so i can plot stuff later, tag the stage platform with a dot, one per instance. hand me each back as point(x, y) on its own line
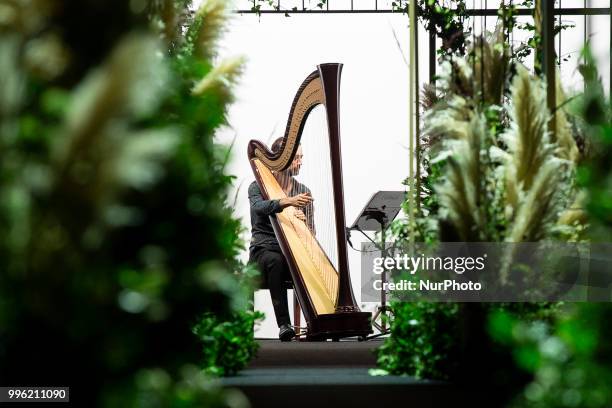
point(333, 374)
point(273, 353)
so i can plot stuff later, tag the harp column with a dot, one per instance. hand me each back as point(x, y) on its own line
point(330, 78)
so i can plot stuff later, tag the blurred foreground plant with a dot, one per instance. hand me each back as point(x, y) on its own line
point(571, 358)
point(115, 232)
point(595, 174)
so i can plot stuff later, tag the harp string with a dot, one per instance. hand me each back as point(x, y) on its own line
point(314, 176)
point(294, 233)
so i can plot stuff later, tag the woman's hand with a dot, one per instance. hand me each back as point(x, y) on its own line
point(300, 200)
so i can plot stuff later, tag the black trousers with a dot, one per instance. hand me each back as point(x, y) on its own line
point(275, 272)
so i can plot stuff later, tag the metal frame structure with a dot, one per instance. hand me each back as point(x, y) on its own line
point(472, 12)
point(549, 13)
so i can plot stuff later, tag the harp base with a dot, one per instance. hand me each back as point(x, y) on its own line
point(338, 325)
point(349, 309)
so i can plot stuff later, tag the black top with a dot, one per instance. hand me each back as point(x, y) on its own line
point(262, 234)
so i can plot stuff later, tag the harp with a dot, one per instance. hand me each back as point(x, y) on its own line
point(321, 279)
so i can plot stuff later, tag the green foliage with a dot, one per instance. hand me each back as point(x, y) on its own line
point(490, 170)
point(227, 343)
point(569, 358)
point(563, 348)
point(569, 353)
point(115, 231)
point(423, 341)
point(189, 388)
point(446, 19)
point(595, 173)
point(533, 43)
point(256, 5)
point(426, 337)
point(491, 173)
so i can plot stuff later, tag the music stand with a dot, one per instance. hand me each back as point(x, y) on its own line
point(381, 209)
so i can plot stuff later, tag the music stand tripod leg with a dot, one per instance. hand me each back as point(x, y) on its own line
point(383, 308)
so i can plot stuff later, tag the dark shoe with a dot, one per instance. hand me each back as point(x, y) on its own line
point(286, 333)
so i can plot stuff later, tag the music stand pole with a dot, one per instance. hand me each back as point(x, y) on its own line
point(383, 292)
point(383, 309)
point(376, 216)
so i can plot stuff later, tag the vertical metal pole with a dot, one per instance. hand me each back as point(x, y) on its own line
point(585, 40)
point(585, 22)
point(432, 56)
point(383, 292)
point(548, 58)
point(417, 117)
point(506, 31)
point(560, 31)
point(473, 54)
point(411, 120)
point(483, 31)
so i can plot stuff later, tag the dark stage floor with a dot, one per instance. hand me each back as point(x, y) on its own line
point(333, 374)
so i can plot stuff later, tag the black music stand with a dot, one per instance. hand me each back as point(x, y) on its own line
point(376, 216)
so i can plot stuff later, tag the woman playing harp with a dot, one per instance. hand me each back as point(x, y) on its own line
point(318, 265)
point(265, 250)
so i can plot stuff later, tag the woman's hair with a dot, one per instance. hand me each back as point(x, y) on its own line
point(277, 145)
